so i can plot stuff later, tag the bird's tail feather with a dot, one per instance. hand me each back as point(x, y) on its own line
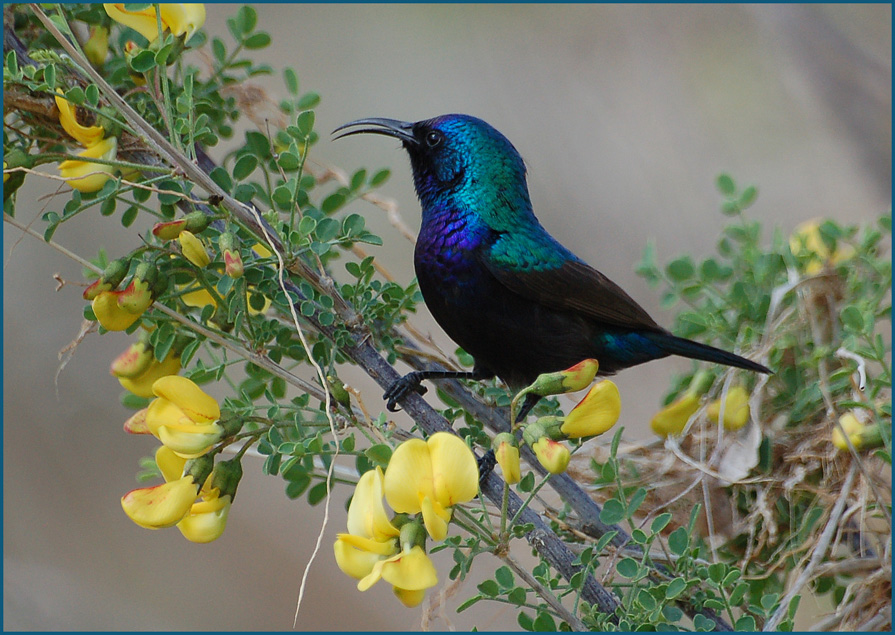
point(674, 345)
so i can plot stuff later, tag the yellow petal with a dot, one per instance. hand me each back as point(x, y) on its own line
point(206, 520)
point(199, 298)
point(409, 476)
point(142, 385)
point(161, 412)
point(736, 409)
point(454, 469)
point(111, 316)
point(379, 547)
point(191, 443)
point(178, 18)
point(352, 561)
point(160, 506)
point(169, 464)
point(410, 599)
point(411, 570)
point(371, 578)
point(596, 413)
point(196, 403)
point(193, 249)
point(366, 514)
point(85, 176)
point(435, 518)
point(85, 135)
point(672, 419)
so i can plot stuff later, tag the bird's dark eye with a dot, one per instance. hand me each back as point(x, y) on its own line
point(434, 138)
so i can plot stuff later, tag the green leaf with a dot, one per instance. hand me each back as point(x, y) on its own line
point(746, 624)
point(679, 541)
point(50, 75)
point(504, 577)
point(750, 193)
point(129, 216)
point(258, 40)
point(288, 161)
point(143, 61)
point(613, 512)
point(660, 522)
point(219, 50)
point(681, 269)
point(527, 484)
point(380, 177)
point(297, 485)
point(75, 95)
point(244, 166)
point(317, 493)
point(220, 176)
point(379, 454)
point(726, 184)
point(468, 603)
point(544, 622)
point(675, 588)
point(852, 318)
point(517, 596)
point(291, 80)
point(246, 19)
point(489, 588)
point(305, 122)
point(628, 567)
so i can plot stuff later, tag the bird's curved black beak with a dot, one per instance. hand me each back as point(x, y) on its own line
point(402, 130)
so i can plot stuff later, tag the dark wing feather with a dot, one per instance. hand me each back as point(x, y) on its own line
point(576, 287)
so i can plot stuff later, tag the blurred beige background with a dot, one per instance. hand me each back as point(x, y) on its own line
point(624, 114)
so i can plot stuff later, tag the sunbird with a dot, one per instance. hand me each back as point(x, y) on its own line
point(500, 286)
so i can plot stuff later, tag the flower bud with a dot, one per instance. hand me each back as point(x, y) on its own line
point(571, 379)
point(199, 468)
point(110, 279)
point(136, 424)
point(506, 451)
point(736, 409)
point(552, 455)
point(193, 249)
point(233, 266)
point(138, 296)
point(194, 222)
point(133, 362)
point(111, 316)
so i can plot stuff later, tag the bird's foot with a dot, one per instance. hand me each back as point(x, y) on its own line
point(401, 388)
point(486, 464)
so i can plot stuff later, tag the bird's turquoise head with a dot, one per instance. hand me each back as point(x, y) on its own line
point(454, 156)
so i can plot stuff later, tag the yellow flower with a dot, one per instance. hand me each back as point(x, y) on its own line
point(90, 177)
point(109, 314)
point(87, 136)
point(184, 417)
point(162, 505)
point(553, 455)
point(596, 413)
point(409, 570)
point(142, 384)
point(366, 514)
point(180, 19)
point(206, 520)
point(672, 419)
point(736, 409)
point(806, 241)
point(193, 249)
point(201, 298)
point(507, 454)
point(430, 477)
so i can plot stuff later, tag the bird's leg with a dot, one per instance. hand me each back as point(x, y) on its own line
point(411, 381)
point(531, 400)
